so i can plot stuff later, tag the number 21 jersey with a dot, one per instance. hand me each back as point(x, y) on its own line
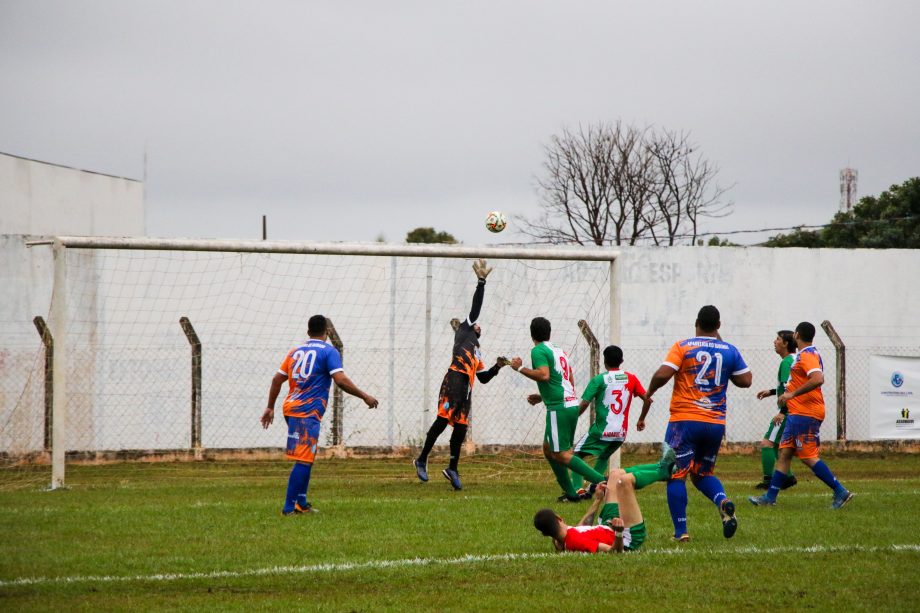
point(704, 366)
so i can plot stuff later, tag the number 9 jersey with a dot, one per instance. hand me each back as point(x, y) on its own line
point(704, 367)
point(309, 369)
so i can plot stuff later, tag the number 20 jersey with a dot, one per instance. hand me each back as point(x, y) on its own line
point(704, 366)
point(309, 369)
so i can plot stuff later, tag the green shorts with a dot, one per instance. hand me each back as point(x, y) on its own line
point(633, 537)
point(560, 427)
point(591, 444)
point(775, 433)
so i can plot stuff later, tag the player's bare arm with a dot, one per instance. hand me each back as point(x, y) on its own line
point(618, 526)
point(347, 386)
point(534, 399)
point(815, 380)
point(766, 393)
point(269, 415)
point(742, 380)
point(534, 374)
point(646, 405)
point(600, 496)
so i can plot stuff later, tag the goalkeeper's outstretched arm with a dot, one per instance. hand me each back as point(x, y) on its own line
point(482, 271)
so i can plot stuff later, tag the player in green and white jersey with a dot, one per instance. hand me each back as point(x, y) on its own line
point(785, 347)
point(553, 374)
point(612, 393)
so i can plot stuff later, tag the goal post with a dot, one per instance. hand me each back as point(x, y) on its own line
point(116, 303)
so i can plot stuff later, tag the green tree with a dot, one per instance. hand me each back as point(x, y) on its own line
point(429, 235)
point(888, 221)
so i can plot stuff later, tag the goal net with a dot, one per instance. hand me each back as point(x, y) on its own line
point(135, 384)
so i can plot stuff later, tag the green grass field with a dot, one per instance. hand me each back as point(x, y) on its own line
point(208, 536)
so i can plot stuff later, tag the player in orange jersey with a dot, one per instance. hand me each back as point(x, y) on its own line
point(801, 437)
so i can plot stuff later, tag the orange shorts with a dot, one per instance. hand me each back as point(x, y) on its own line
point(454, 398)
point(303, 435)
point(803, 434)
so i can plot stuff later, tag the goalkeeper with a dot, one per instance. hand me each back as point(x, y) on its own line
point(457, 387)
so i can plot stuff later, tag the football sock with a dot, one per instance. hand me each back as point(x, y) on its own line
point(677, 505)
point(578, 465)
point(297, 485)
point(646, 474)
point(711, 488)
point(824, 473)
point(456, 444)
point(433, 433)
point(562, 478)
point(767, 461)
point(776, 482)
point(602, 464)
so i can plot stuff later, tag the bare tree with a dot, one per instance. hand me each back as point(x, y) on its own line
point(618, 184)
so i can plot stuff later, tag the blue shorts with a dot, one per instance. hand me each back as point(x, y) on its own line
point(697, 446)
point(303, 435)
point(803, 434)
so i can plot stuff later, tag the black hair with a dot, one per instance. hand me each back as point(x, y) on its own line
point(547, 522)
point(316, 326)
point(540, 329)
point(806, 331)
point(708, 318)
point(613, 356)
point(786, 335)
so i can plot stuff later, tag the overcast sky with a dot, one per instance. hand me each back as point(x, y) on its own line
point(345, 120)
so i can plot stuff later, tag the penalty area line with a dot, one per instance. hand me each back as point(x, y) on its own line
point(467, 559)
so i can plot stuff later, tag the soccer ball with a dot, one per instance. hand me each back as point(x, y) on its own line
point(495, 221)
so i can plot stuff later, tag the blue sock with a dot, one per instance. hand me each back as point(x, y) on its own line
point(776, 482)
point(824, 473)
point(712, 488)
point(297, 485)
point(677, 504)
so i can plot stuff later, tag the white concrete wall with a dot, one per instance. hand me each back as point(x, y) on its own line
point(46, 199)
point(130, 362)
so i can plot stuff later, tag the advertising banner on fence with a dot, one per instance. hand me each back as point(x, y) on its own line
point(894, 397)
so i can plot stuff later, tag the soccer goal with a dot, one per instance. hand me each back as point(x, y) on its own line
point(164, 346)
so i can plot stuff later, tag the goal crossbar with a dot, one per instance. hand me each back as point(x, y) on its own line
point(593, 254)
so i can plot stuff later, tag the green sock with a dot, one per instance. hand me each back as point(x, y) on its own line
point(646, 474)
point(602, 464)
point(562, 478)
point(767, 460)
point(615, 509)
point(579, 466)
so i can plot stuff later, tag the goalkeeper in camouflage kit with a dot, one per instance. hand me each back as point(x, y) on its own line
point(457, 387)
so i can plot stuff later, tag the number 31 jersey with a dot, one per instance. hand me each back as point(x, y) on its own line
point(309, 369)
point(704, 366)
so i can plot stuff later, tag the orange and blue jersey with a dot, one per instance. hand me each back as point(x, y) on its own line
point(809, 404)
point(704, 367)
point(309, 369)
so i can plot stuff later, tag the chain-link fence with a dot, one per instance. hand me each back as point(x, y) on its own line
point(132, 373)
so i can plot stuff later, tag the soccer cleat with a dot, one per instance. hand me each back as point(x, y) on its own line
point(683, 538)
point(841, 499)
point(789, 482)
point(421, 469)
point(761, 501)
point(763, 485)
point(729, 521)
point(583, 494)
point(300, 510)
point(454, 478)
point(668, 459)
point(566, 498)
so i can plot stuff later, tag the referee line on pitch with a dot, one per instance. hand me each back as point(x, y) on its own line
point(408, 562)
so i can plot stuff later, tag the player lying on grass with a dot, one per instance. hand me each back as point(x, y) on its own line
point(553, 374)
point(619, 527)
point(612, 393)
